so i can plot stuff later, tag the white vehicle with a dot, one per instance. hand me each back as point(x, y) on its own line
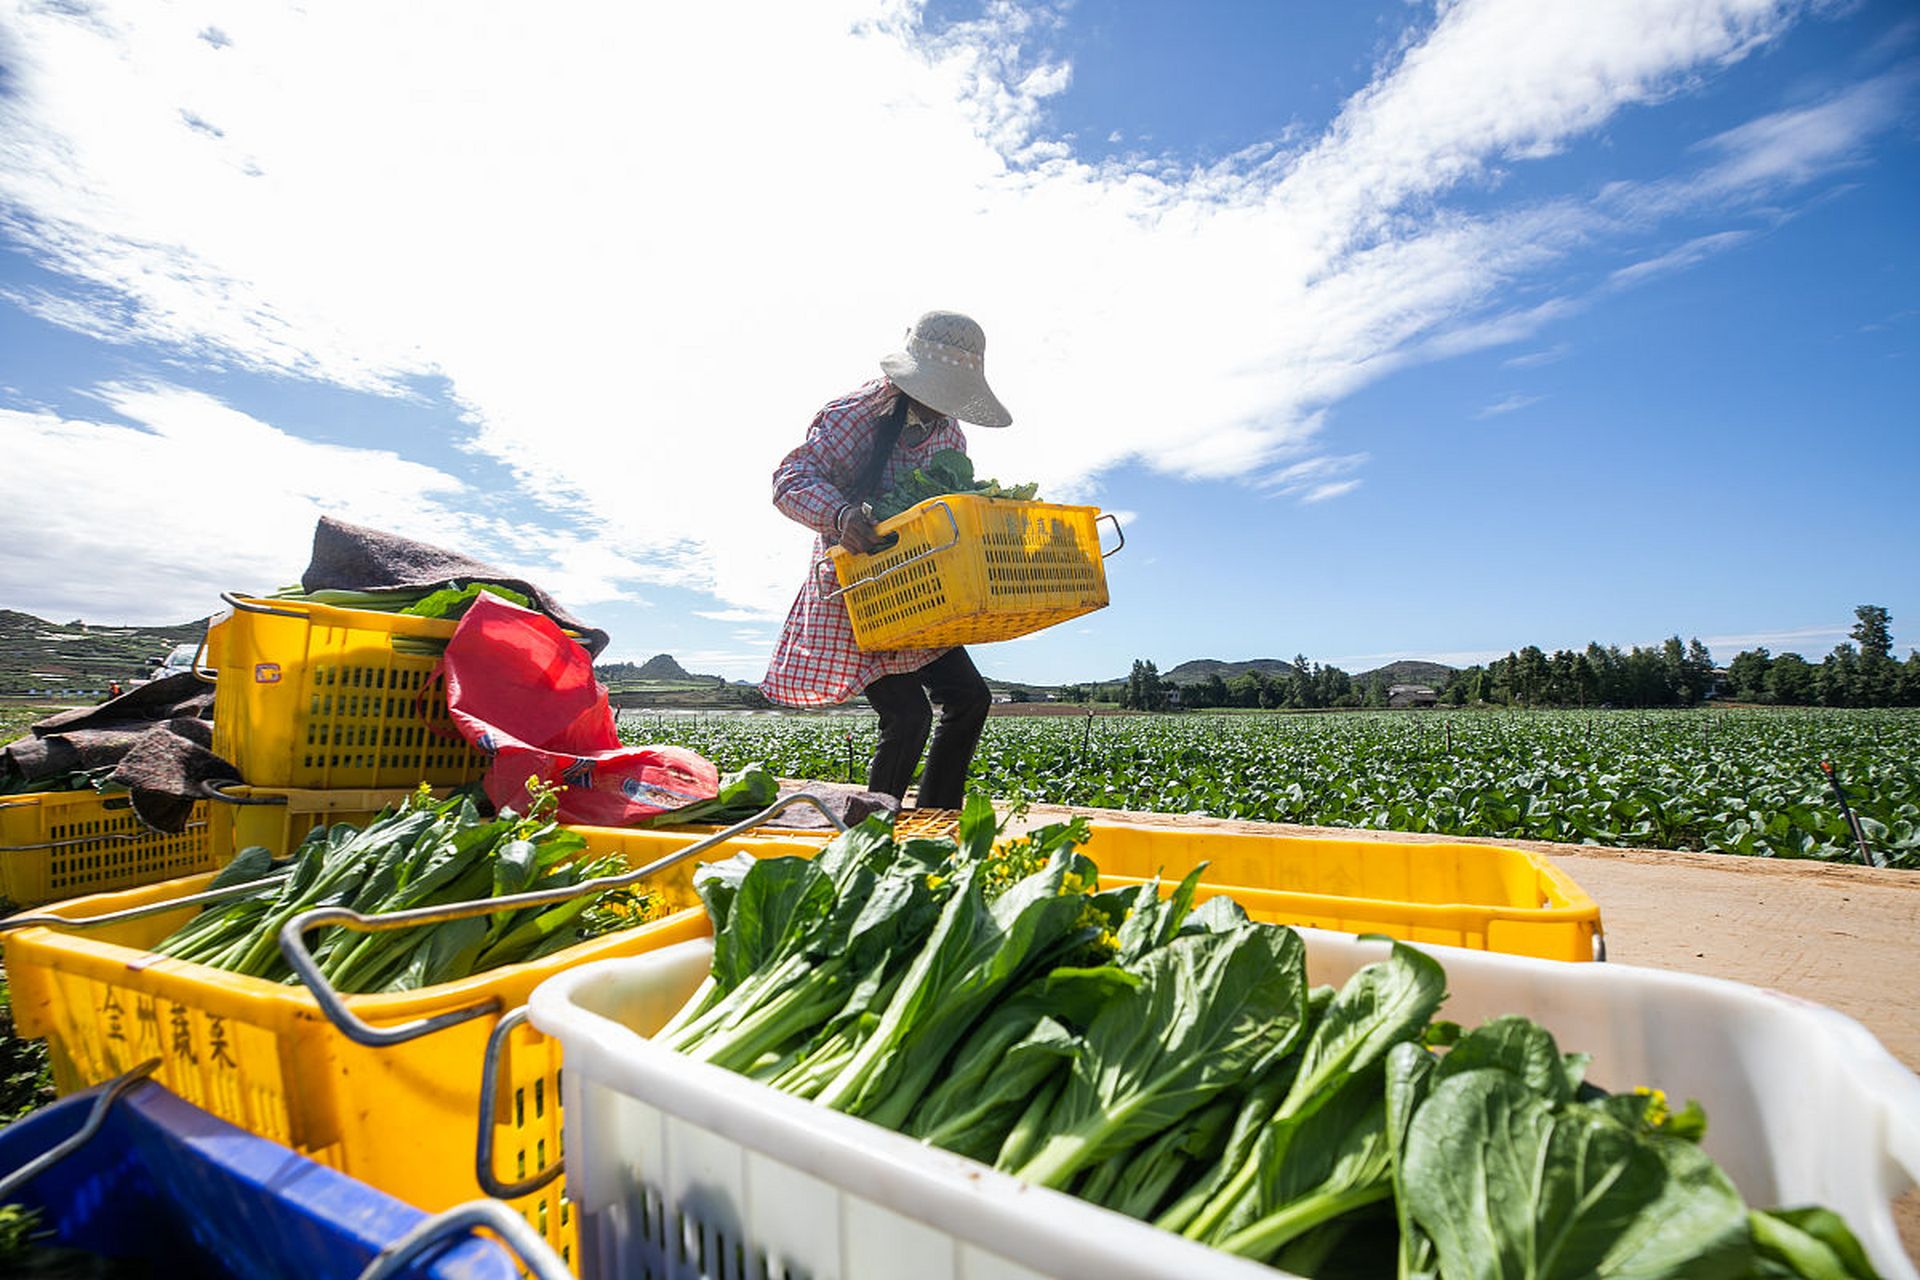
point(179, 659)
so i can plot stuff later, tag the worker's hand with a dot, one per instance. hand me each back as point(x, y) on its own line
point(857, 533)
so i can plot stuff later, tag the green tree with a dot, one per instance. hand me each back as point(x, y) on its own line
point(1586, 680)
point(1244, 689)
point(1873, 632)
point(1530, 675)
point(1747, 674)
point(1500, 673)
point(1790, 680)
point(1837, 680)
point(1301, 687)
point(1214, 690)
point(1697, 671)
point(1878, 680)
point(1673, 663)
point(1560, 686)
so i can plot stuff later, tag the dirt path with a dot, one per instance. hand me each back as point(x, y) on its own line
point(1846, 937)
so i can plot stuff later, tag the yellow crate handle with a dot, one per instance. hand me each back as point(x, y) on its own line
point(536, 1255)
point(483, 1170)
point(293, 942)
point(952, 541)
point(1118, 531)
point(96, 1116)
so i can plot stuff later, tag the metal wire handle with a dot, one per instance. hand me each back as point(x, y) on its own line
point(45, 921)
point(214, 791)
point(1121, 533)
point(249, 606)
point(489, 1091)
point(293, 944)
point(952, 542)
point(534, 1253)
point(119, 837)
point(96, 1116)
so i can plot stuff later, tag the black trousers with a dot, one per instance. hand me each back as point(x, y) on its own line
point(905, 718)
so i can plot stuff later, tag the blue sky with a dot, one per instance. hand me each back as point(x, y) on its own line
point(1391, 330)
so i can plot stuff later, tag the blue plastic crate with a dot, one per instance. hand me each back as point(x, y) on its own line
point(165, 1182)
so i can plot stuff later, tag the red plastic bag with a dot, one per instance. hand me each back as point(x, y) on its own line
point(522, 691)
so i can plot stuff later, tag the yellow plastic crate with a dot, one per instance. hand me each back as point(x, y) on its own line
point(970, 570)
point(312, 696)
point(59, 844)
point(1480, 896)
point(264, 1056)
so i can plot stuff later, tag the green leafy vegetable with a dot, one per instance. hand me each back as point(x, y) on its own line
point(947, 471)
point(427, 852)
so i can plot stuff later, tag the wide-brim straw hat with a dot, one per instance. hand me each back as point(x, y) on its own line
point(943, 366)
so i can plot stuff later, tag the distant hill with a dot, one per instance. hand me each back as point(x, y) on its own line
point(80, 657)
point(660, 667)
point(1199, 669)
point(1411, 671)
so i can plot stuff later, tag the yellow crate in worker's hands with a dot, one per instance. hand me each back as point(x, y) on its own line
point(968, 569)
point(309, 695)
point(60, 844)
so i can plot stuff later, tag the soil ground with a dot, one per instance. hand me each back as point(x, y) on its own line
point(1843, 936)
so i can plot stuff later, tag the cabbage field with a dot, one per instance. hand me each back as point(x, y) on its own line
point(1729, 781)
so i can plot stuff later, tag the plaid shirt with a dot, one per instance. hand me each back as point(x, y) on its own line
point(817, 662)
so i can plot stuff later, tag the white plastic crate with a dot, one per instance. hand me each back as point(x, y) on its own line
point(681, 1170)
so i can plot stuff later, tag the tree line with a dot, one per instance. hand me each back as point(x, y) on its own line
point(1308, 686)
point(1859, 672)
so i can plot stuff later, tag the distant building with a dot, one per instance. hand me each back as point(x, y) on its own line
point(1411, 695)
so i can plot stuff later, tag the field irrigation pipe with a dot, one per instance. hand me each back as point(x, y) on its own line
point(293, 943)
point(1846, 811)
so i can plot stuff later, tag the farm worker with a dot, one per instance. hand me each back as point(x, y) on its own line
point(856, 448)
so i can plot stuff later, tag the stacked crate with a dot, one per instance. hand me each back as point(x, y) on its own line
point(329, 715)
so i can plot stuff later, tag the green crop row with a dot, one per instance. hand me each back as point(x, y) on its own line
point(1728, 781)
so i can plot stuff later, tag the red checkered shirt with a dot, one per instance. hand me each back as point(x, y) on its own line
point(817, 662)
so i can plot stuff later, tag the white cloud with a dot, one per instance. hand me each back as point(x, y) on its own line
point(1509, 404)
point(1332, 489)
point(149, 519)
point(642, 248)
point(1535, 359)
point(1811, 642)
point(1312, 479)
point(1687, 255)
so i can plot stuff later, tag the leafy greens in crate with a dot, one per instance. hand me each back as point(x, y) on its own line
point(947, 471)
point(1173, 1065)
point(426, 853)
